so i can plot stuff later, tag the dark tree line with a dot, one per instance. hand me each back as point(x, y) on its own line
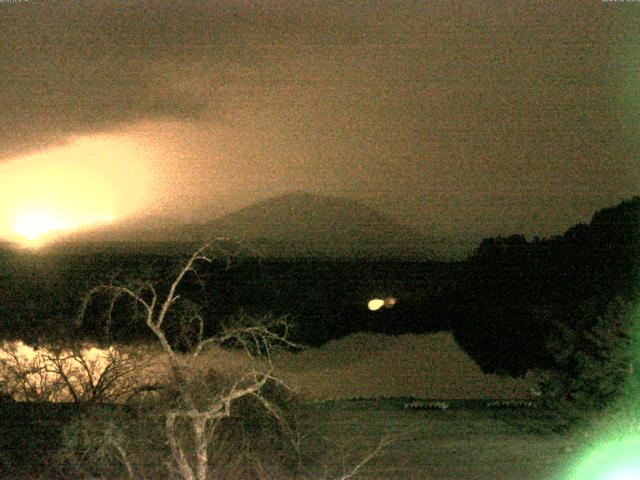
point(40, 294)
point(520, 291)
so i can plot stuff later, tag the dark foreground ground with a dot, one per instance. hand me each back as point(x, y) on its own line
point(454, 444)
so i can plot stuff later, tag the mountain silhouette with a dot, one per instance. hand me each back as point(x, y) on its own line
point(301, 223)
point(290, 225)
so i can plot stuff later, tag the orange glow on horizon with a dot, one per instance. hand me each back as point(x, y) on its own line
point(36, 228)
point(89, 181)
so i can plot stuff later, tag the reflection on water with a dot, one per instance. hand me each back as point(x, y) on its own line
point(62, 375)
point(28, 353)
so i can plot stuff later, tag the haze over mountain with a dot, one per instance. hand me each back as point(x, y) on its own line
point(323, 225)
point(293, 224)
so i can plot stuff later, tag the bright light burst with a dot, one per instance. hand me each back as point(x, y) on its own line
point(613, 460)
point(35, 227)
point(32, 225)
point(88, 181)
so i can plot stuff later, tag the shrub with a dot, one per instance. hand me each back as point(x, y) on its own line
point(108, 442)
point(128, 441)
point(594, 361)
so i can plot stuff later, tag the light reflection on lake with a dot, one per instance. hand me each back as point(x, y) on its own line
point(64, 375)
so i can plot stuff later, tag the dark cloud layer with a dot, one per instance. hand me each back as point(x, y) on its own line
point(494, 116)
point(72, 67)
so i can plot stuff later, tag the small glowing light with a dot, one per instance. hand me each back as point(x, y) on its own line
point(389, 302)
point(375, 304)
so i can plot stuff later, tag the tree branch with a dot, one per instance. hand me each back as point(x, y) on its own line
point(171, 296)
point(382, 444)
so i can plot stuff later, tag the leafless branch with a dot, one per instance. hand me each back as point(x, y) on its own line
point(382, 444)
point(124, 459)
point(171, 296)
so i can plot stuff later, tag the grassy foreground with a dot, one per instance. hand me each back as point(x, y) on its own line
point(464, 444)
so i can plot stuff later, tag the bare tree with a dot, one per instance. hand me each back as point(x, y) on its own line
point(73, 373)
point(200, 411)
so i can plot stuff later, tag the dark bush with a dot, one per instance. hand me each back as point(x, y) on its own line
point(251, 443)
point(594, 360)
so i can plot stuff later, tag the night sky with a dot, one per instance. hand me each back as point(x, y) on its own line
point(451, 117)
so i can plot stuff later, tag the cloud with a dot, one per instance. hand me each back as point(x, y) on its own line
point(420, 108)
point(77, 67)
